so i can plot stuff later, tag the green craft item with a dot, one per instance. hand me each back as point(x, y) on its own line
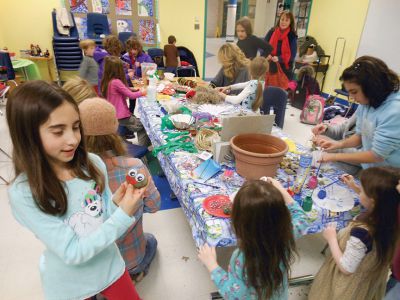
point(185, 110)
point(166, 123)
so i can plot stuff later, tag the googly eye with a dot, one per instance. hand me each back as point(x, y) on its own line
point(139, 177)
point(132, 172)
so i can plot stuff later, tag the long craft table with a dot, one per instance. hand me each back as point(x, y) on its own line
point(216, 231)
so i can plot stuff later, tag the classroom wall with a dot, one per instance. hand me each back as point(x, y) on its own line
point(330, 20)
point(178, 17)
point(265, 17)
point(24, 22)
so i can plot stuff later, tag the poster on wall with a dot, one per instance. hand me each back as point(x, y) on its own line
point(124, 25)
point(78, 6)
point(146, 31)
point(123, 7)
point(145, 8)
point(101, 6)
point(81, 25)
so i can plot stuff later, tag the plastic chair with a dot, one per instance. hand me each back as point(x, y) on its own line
point(277, 99)
point(157, 55)
point(97, 24)
point(187, 71)
point(123, 36)
point(67, 53)
point(73, 32)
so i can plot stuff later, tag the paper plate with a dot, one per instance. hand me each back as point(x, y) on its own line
point(214, 205)
point(338, 199)
point(216, 110)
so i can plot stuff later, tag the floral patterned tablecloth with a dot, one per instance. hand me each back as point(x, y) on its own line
point(214, 230)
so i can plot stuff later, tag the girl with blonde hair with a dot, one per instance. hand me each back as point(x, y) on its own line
point(234, 66)
point(250, 96)
point(79, 88)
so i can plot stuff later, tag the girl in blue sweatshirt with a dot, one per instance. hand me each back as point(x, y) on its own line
point(61, 194)
point(376, 88)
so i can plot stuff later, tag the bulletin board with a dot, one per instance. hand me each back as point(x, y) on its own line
point(381, 34)
point(138, 16)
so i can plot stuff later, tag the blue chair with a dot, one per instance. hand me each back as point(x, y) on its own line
point(123, 36)
point(157, 55)
point(73, 32)
point(97, 24)
point(6, 62)
point(276, 98)
point(67, 53)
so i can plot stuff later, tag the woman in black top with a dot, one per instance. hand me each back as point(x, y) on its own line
point(248, 42)
point(283, 39)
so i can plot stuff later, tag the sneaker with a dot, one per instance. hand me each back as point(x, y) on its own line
point(137, 277)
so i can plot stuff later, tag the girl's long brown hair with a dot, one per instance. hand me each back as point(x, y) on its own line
point(101, 143)
point(232, 60)
point(263, 226)
point(28, 107)
point(113, 69)
point(379, 183)
point(258, 67)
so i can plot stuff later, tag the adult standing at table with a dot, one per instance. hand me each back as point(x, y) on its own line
point(234, 67)
point(376, 88)
point(249, 43)
point(283, 39)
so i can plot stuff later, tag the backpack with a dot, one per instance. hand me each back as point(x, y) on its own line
point(313, 110)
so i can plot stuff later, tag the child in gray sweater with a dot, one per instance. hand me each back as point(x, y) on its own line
point(89, 68)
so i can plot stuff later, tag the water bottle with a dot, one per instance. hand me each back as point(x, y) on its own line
point(302, 171)
point(152, 89)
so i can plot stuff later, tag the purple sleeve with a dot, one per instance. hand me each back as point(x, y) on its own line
point(125, 91)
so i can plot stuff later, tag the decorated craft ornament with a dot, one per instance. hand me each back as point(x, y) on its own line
point(136, 178)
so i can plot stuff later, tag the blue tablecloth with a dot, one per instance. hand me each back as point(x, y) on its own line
point(206, 228)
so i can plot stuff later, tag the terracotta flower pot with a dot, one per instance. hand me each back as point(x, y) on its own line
point(257, 154)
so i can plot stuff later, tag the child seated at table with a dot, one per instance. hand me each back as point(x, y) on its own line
point(89, 68)
point(135, 56)
point(358, 266)
point(251, 96)
point(100, 124)
point(266, 222)
point(114, 88)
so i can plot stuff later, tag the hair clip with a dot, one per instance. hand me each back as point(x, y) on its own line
point(357, 66)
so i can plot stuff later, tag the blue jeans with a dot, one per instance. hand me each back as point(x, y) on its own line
point(151, 249)
point(392, 289)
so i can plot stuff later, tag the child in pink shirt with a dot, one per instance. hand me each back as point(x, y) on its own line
point(114, 87)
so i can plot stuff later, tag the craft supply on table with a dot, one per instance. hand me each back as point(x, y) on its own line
point(136, 178)
point(338, 198)
point(207, 170)
point(218, 206)
point(205, 139)
point(307, 203)
point(182, 121)
point(257, 154)
point(322, 192)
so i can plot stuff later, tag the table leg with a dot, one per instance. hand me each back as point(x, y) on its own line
point(49, 69)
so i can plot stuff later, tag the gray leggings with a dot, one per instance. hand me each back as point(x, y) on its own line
point(133, 124)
